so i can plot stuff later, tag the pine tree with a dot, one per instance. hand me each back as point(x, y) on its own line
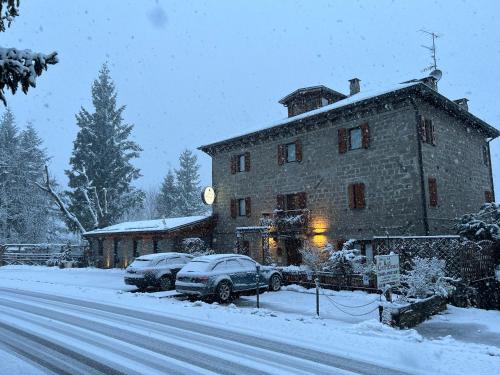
point(188, 185)
point(101, 172)
point(167, 203)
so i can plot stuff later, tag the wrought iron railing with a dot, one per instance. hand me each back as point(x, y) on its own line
point(284, 221)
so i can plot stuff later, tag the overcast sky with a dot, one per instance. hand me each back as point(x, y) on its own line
point(192, 72)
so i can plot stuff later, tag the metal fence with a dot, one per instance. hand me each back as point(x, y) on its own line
point(36, 254)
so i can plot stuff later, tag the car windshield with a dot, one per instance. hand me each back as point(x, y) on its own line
point(196, 266)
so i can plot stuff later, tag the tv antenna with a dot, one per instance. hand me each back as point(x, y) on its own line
point(432, 50)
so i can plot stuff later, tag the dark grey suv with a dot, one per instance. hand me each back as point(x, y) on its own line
point(156, 270)
point(224, 276)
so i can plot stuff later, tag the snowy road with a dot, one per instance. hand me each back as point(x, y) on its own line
point(71, 336)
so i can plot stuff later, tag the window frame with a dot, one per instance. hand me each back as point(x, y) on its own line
point(350, 146)
point(292, 154)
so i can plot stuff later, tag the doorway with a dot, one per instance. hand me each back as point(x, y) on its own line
point(292, 246)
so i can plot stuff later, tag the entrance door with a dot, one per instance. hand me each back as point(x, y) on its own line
point(292, 246)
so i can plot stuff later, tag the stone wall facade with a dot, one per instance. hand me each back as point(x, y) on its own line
point(391, 169)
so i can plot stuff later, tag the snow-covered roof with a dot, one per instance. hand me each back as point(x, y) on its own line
point(157, 225)
point(355, 99)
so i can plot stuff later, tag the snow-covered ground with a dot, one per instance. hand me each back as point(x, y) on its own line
point(463, 341)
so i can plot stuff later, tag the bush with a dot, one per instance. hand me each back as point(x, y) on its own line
point(195, 246)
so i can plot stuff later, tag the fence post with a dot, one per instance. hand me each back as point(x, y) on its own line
point(257, 281)
point(316, 280)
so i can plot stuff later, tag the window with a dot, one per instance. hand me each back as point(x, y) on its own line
point(427, 131)
point(290, 153)
point(100, 247)
point(220, 266)
point(233, 265)
point(248, 264)
point(242, 211)
point(241, 163)
point(433, 197)
point(295, 201)
point(155, 245)
point(135, 247)
point(488, 196)
point(486, 155)
point(356, 195)
point(354, 138)
point(324, 101)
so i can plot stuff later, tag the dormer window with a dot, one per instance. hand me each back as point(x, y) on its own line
point(324, 101)
point(310, 98)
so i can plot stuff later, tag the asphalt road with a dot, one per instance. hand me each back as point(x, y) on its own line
point(69, 336)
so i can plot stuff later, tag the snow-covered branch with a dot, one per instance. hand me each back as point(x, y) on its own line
point(22, 67)
point(48, 189)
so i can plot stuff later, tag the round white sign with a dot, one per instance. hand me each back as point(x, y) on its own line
point(208, 195)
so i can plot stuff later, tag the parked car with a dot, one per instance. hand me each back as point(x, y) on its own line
point(224, 276)
point(156, 270)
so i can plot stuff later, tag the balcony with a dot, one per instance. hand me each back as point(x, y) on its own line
point(286, 221)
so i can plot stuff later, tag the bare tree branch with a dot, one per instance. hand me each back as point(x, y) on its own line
point(48, 189)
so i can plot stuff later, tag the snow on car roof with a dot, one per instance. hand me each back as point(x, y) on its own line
point(148, 225)
point(214, 257)
point(160, 255)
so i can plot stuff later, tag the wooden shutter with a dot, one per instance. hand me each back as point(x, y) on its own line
point(342, 134)
point(488, 196)
point(247, 161)
point(234, 164)
point(359, 195)
point(432, 132)
point(486, 155)
point(248, 206)
point(298, 150)
point(302, 198)
point(365, 134)
point(280, 202)
point(234, 212)
point(350, 193)
point(433, 197)
point(281, 154)
point(421, 127)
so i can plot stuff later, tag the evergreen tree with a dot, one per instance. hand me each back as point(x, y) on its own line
point(167, 203)
point(188, 185)
point(101, 170)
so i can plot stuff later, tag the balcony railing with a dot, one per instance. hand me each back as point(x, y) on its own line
point(285, 221)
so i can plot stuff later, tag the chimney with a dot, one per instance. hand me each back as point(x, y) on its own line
point(462, 103)
point(354, 86)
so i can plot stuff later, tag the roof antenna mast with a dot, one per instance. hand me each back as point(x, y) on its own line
point(432, 49)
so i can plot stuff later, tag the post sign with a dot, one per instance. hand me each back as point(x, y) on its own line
point(208, 195)
point(387, 270)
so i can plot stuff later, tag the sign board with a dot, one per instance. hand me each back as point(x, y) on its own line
point(208, 195)
point(387, 270)
point(366, 280)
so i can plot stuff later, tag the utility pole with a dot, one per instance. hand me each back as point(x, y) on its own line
point(432, 49)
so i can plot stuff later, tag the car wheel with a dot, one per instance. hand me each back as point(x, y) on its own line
point(275, 283)
point(166, 283)
point(224, 292)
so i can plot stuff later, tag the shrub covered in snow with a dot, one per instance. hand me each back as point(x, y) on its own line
point(315, 258)
point(427, 277)
point(195, 246)
point(483, 225)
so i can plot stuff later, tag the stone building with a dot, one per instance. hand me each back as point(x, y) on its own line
point(401, 161)
point(118, 245)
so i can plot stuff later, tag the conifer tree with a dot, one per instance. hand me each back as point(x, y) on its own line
point(188, 185)
point(101, 172)
point(167, 203)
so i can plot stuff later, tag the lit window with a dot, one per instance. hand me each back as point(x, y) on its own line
point(291, 155)
point(242, 209)
point(355, 138)
point(241, 163)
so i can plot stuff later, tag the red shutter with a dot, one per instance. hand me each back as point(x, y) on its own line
point(234, 161)
point(488, 196)
point(421, 126)
point(359, 195)
point(281, 154)
point(248, 206)
point(433, 197)
point(298, 150)
point(342, 133)
point(233, 209)
point(280, 202)
point(247, 161)
point(302, 198)
point(350, 192)
point(365, 133)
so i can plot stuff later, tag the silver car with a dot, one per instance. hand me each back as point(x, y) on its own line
point(156, 270)
point(224, 276)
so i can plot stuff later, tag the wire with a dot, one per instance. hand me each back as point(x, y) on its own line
point(353, 307)
point(334, 304)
